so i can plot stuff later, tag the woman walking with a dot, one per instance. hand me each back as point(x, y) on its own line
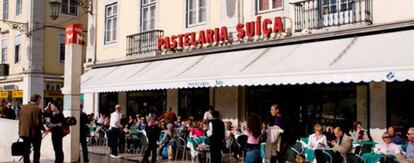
point(253, 132)
point(55, 122)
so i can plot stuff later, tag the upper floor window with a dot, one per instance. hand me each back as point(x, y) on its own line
point(4, 48)
point(19, 7)
point(111, 13)
point(268, 5)
point(195, 12)
point(61, 48)
point(5, 9)
point(17, 48)
point(148, 8)
point(69, 7)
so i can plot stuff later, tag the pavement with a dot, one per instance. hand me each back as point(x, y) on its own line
point(96, 155)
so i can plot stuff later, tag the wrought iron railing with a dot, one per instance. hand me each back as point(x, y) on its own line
point(143, 42)
point(313, 14)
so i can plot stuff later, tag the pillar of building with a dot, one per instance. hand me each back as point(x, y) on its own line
point(172, 99)
point(33, 84)
point(122, 100)
point(362, 105)
point(71, 90)
point(378, 109)
point(226, 102)
point(89, 103)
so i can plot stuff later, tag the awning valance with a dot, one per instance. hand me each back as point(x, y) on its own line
point(380, 57)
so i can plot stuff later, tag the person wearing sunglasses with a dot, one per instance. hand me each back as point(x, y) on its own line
point(387, 147)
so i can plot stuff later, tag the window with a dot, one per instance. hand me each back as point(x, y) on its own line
point(5, 9)
point(195, 12)
point(17, 49)
point(268, 5)
point(111, 12)
point(69, 7)
point(4, 44)
point(19, 6)
point(61, 48)
point(148, 8)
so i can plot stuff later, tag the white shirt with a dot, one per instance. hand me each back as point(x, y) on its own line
point(115, 121)
point(387, 149)
point(317, 142)
point(207, 116)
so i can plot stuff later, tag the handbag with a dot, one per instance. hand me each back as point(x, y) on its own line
point(65, 130)
point(165, 152)
point(17, 148)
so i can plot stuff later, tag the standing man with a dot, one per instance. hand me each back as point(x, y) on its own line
point(30, 127)
point(216, 133)
point(208, 114)
point(279, 120)
point(116, 128)
point(84, 130)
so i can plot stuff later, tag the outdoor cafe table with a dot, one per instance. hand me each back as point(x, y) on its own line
point(373, 158)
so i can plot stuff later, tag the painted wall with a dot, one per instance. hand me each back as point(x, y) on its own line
point(386, 11)
point(127, 24)
point(12, 127)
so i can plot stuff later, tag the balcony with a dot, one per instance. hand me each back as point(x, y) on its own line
point(144, 42)
point(315, 14)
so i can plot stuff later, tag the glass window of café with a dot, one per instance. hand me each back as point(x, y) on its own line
point(400, 105)
point(107, 102)
point(138, 102)
point(193, 102)
point(305, 105)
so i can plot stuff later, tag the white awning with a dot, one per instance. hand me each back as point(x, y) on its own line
point(381, 57)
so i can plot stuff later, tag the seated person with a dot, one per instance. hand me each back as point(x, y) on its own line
point(408, 156)
point(387, 147)
point(169, 135)
point(317, 140)
point(340, 147)
point(196, 130)
point(359, 134)
point(395, 136)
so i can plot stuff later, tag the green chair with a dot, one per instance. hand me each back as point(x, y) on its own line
point(353, 158)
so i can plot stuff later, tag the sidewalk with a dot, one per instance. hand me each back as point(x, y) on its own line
point(5, 156)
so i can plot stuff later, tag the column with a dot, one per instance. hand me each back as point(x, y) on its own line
point(226, 102)
point(362, 105)
point(71, 91)
point(89, 103)
point(172, 99)
point(122, 100)
point(378, 110)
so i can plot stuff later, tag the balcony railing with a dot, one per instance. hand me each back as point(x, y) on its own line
point(143, 42)
point(314, 14)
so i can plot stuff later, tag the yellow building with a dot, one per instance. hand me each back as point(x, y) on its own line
point(33, 49)
point(329, 61)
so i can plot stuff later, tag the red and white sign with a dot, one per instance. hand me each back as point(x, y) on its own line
point(258, 27)
point(73, 34)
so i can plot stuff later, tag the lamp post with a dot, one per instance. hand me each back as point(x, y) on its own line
point(72, 76)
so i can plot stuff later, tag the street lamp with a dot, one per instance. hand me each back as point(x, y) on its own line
point(55, 6)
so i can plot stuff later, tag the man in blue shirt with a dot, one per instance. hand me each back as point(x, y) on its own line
point(409, 154)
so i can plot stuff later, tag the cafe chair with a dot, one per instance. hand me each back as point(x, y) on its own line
point(354, 158)
point(180, 146)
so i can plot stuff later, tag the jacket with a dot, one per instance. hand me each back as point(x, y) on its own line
point(30, 123)
point(344, 147)
point(273, 140)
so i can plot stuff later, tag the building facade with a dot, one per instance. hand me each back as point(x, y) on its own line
point(33, 49)
point(330, 62)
